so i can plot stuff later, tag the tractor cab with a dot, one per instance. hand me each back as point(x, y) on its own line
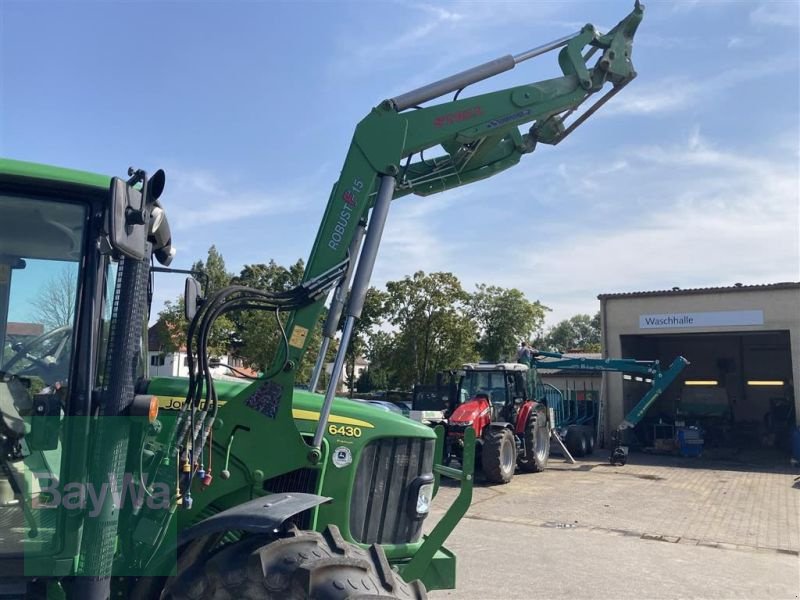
point(64, 236)
point(503, 385)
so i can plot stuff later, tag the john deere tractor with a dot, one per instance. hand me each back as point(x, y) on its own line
point(253, 490)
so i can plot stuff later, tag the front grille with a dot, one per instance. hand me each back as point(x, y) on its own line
point(299, 480)
point(379, 511)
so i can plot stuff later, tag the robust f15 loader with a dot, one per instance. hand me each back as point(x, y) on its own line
point(259, 491)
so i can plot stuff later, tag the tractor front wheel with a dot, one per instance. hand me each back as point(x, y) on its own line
point(499, 455)
point(294, 565)
point(537, 443)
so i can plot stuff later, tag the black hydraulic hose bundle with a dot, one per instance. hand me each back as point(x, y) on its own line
point(199, 410)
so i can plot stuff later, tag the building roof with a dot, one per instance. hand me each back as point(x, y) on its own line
point(24, 329)
point(785, 285)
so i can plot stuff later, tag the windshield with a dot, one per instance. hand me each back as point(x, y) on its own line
point(40, 250)
point(491, 383)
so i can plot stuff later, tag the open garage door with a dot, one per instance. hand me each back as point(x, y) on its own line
point(738, 387)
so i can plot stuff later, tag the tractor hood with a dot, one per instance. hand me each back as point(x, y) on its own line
point(469, 412)
point(171, 392)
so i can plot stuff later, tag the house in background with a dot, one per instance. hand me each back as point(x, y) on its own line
point(23, 332)
point(360, 366)
point(176, 363)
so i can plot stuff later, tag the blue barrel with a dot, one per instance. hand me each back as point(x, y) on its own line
point(796, 444)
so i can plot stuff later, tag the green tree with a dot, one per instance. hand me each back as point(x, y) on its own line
point(579, 333)
point(435, 332)
point(380, 354)
point(371, 315)
point(172, 326)
point(504, 317)
point(171, 329)
point(214, 269)
point(259, 332)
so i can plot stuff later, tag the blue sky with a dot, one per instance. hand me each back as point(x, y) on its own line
point(688, 177)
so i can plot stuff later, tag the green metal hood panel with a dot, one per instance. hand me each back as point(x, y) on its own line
point(172, 391)
point(18, 168)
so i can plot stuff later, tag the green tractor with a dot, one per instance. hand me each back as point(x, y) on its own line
point(252, 490)
point(95, 496)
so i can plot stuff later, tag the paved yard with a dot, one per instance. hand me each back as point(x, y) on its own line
point(659, 527)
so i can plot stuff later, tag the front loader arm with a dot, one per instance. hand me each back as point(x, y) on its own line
point(649, 370)
point(478, 137)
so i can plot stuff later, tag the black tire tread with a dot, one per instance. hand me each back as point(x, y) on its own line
point(575, 441)
point(296, 565)
point(590, 441)
point(529, 462)
point(491, 455)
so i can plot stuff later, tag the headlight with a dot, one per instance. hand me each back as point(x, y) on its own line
point(420, 495)
point(461, 423)
point(424, 499)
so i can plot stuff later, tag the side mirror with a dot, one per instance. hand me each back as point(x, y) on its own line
point(127, 233)
point(192, 298)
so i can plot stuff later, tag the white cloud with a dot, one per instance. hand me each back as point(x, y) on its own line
point(426, 34)
point(200, 198)
point(737, 41)
point(646, 218)
point(782, 14)
point(674, 93)
point(711, 218)
point(646, 39)
point(411, 242)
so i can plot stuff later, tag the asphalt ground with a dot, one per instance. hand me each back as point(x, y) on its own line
point(659, 527)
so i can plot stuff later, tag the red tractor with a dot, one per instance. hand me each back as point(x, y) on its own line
point(511, 428)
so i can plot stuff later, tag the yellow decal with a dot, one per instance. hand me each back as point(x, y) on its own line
point(311, 415)
point(175, 403)
point(171, 402)
point(345, 430)
point(298, 336)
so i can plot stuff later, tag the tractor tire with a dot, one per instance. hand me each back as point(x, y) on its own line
point(537, 443)
point(575, 442)
point(294, 565)
point(499, 456)
point(590, 441)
